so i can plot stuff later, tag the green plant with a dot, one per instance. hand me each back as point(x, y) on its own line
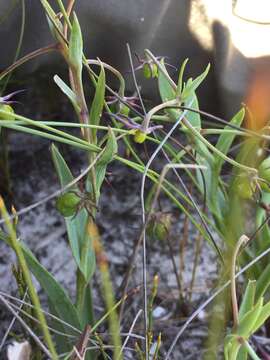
point(251, 316)
point(79, 203)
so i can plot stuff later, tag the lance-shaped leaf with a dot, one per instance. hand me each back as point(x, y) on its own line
point(263, 282)
point(180, 78)
point(192, 85)
point(247, 323)
point(98, 102)
point(107, 156)
point(264, 315)
point(225, 140)
point(56, 29)
point(76, 46)
point(166, 90)
point(67, 91)
point(76, 226)
point(56, 294)
point(247, 302)
point(64, 309)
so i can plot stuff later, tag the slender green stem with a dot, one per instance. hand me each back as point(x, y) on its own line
point(107, 293)
point(67, 124)
point(86, 146)
point(243, 240)
point(63, 11)
point(104, 317)
point(148, 116)
point(251, 352)
point(215, 150)
point(49, 128)
point(52, 16)
point(224, 131)
point(27, 276)
point(114, 71)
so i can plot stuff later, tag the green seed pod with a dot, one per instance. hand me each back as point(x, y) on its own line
point(159, 226)
point(264, 174)
point(9, 109)
point(139, 136)
point(67, 204)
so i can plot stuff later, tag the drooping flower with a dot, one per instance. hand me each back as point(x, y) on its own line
point(136, 129)
point(150, 68)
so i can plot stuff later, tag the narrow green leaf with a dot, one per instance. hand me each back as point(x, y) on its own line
point(167, 92)
point(180, 78)
point(48, 9)
point(263, 282)
point(191, 86)
point(57, 295)
point(63, 343)
point(67, 91)
point(248, 299)
point(242, 354)
point(98, 102)
point(231, 347)
point(246, 325)
point(56, 29)
point(77, 226)
point(263, 316)
point(76, 45)
point(110, 151)
point(263, 242)
point(225, 140)
point(194, 117)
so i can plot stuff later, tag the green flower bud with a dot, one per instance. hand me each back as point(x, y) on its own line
point(139, 136)
point(264, 174)
point(154, 71)
point(159, 226)
point(67, 204)
point(150, 70)
point(9, 109)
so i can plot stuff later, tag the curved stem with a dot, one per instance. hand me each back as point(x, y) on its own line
point(214, 149)
point(148, 116)
point(24, 59)
point(114, 71)
point(250, 351)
